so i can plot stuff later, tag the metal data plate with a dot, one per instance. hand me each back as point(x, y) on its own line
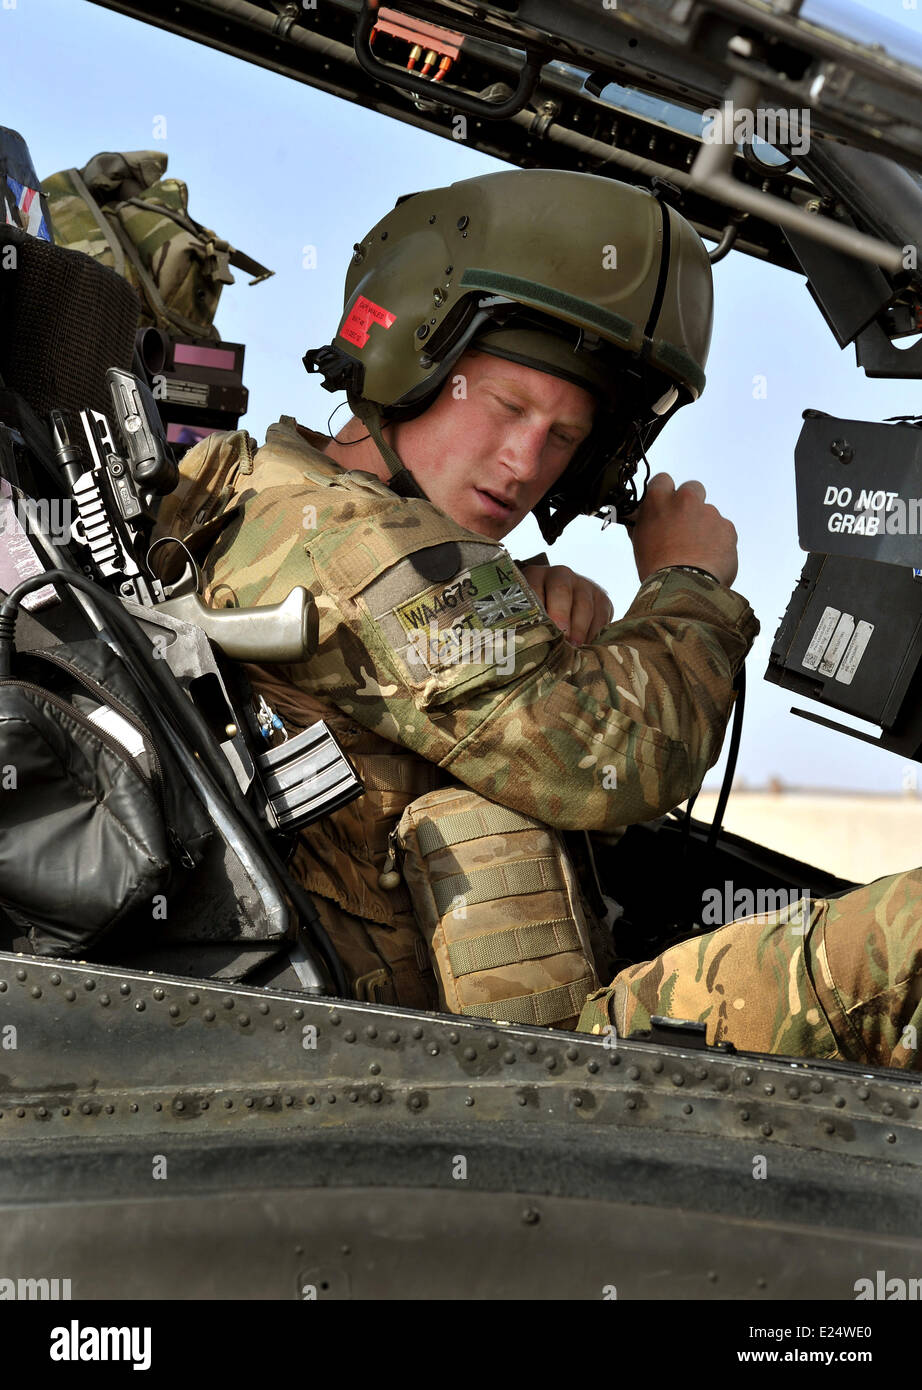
point(307, 777)
point(851, 636)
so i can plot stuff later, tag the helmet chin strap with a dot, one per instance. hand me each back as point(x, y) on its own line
point(402, 480)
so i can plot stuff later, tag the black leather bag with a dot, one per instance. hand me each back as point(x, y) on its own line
point(90, 831)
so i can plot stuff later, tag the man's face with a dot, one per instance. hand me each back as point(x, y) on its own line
point(495, 439)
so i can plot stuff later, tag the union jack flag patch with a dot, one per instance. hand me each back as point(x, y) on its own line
point(23, 208)
point(496, 609)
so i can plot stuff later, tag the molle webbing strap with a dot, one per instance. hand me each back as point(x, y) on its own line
point(118, 255)
point(492, 950)
point(503, 881)
point(66, 318)
point(467, 825)
point(497, 902)
point(549, 1007)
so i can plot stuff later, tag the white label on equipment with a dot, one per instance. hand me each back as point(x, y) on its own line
point(820, 639)
point(187, 392)
point(18, 559)
point(126, 734)
point(840, 640)
point(854, 652)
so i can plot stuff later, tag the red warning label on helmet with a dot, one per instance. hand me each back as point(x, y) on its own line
point(361, 316)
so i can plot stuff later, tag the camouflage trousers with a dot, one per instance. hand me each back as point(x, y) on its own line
point(834, 978)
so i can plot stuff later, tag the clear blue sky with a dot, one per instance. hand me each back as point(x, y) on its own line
point(275, 167)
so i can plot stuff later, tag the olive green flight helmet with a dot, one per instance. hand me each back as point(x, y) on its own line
point(620, 281)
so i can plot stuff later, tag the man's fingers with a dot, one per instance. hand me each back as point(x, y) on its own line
point(536, 578)
point(559, 596)
point(578, 606)
point(680, 527)
point(602, 615)
point(582, 615)
point(661, 482)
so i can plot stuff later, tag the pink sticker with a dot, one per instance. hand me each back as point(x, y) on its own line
point(361, 316)
point(193, 356)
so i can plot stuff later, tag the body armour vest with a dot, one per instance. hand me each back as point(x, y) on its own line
point(341, 856)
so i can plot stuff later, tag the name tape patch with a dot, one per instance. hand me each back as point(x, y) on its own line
point(487, 596)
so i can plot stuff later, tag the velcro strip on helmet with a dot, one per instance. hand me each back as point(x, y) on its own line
point(556, 302)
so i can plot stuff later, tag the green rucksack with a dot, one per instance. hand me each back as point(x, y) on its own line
point(122, 211)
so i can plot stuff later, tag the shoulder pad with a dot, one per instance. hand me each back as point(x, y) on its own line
point(434, 596)
point(210, 475)
point(290, 455)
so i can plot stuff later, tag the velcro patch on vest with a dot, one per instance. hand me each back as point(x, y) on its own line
point(457, 616)
point(448, 623)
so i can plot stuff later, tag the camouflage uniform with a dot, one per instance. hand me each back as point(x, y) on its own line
point(582, 738)
point(838, 978)
point(596, 737)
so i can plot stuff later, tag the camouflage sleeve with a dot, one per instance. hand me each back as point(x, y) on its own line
point(601, 736)
point(591, 737)
point(430, 637)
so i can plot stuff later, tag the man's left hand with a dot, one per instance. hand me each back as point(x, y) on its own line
point(578, 606)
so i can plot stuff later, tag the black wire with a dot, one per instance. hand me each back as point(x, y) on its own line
point(343, 443)
point(713, 834)
point(643, 454)
point(686, 825)
point(735, 734)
